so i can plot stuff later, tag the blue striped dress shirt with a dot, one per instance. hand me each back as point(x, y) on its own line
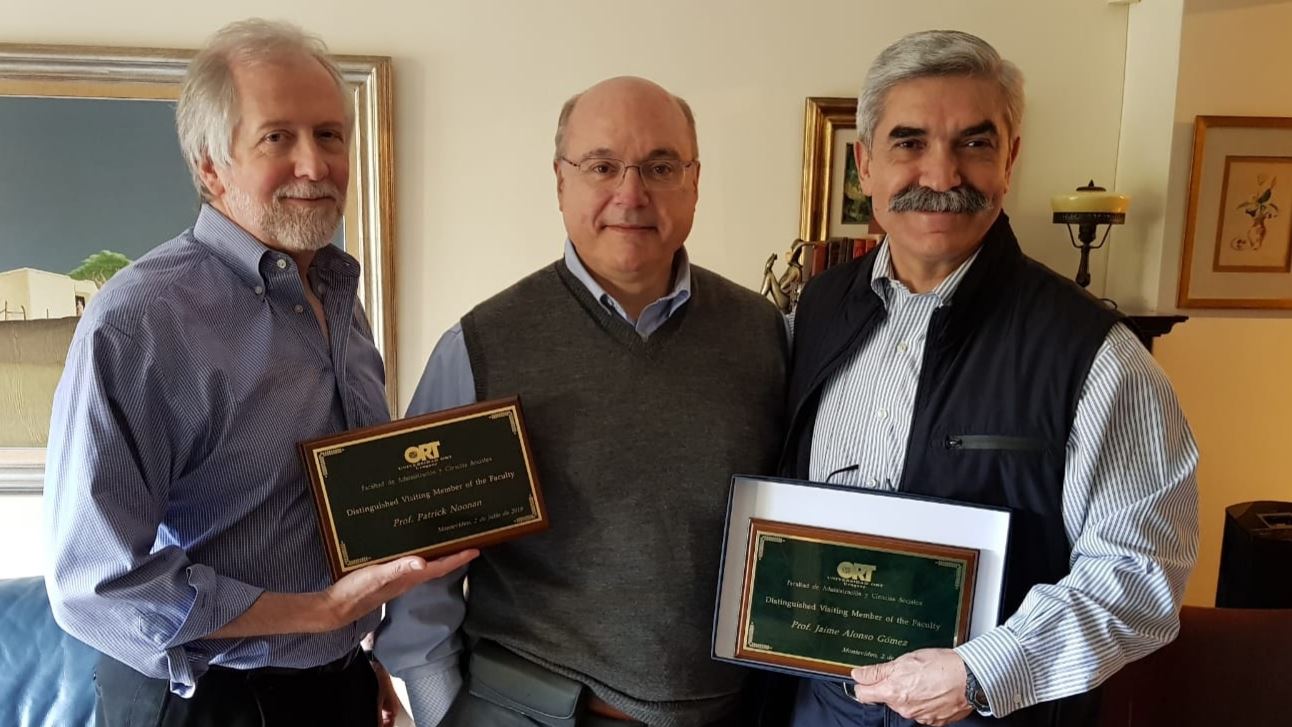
point(174, 492)
point(1130, 500)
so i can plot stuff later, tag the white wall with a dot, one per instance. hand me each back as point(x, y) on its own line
point(22, 541)
point(1145, 153)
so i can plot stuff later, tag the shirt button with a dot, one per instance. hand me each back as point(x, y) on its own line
point(901, 347)
point(881, 413)
point(282, 264)
point(299, 308)
point(873, 482)
point(260, 290)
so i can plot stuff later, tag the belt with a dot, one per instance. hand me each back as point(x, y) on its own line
point(332, 667)
point(602, 708)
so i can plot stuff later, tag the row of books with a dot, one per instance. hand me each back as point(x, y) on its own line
point(820, 256)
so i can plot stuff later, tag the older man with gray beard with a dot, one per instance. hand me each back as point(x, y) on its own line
point(180, 524)
point(948, 364)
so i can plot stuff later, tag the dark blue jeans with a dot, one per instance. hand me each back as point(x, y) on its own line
point(823, 704)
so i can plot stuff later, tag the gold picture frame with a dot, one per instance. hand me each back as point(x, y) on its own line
point(826, 204)
point(155, 75)
point(1237, 248)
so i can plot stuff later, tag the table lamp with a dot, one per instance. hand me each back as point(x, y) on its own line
point(1087, 208)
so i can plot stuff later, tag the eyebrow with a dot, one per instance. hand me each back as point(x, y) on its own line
point(986, 127)
point(657, 153)
point(912, 132)
point(906, 132)
point(284, 123)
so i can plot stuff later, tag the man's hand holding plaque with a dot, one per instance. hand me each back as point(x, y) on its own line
point(425, 486)
point(927, 686)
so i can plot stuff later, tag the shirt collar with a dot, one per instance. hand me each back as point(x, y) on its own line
point(882, 277)
point(680, 293)
point(245, 255)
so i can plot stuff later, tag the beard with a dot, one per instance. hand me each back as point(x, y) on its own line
point(296, 229)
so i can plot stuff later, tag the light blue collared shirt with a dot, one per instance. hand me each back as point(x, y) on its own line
point(418, 640)
point(448, 380)
point(174, 495)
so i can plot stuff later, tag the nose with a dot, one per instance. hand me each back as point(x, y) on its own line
point(631, 192)
point(940, 169)
point(311, 161)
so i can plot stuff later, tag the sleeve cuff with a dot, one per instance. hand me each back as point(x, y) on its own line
point(431, 691)
point(216, 601)
point(1000, 664)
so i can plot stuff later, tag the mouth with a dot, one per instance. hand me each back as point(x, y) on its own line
point(629, 229)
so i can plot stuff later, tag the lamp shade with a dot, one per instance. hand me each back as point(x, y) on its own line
point(1090, 204)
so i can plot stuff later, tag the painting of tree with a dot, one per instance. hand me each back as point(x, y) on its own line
point(99, 267)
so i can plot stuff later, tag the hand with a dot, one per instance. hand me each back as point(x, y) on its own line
point(368, 588)
point(927, 686)
point(387, 699)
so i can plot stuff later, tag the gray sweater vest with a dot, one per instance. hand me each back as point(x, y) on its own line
point(635, 443)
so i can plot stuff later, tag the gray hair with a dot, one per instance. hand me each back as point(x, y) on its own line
point(568, 108)
point(208, 110)
point(937, 53)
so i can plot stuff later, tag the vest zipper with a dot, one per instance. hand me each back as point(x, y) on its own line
point(993, 441)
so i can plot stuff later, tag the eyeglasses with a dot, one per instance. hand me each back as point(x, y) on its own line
point(657, 175)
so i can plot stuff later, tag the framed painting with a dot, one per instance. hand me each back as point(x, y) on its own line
point(832, 203)
point(1237, 250)
point(93, 178)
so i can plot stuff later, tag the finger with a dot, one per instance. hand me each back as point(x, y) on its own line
point(871, 693)
point(441, 567)
point(406, 573)
point(872, 674)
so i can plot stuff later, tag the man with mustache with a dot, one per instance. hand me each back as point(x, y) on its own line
point(647, 381)
point(948, 364)
point(181, 527)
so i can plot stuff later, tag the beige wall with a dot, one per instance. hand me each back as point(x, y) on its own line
point(1231, 370)
point(479, 84)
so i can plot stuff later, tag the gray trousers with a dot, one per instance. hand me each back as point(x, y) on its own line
point(469, 710)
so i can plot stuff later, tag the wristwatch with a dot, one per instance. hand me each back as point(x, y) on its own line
point(974, 693)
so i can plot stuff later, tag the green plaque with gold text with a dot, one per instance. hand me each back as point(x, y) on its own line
point(427, 485)
point(827, 600)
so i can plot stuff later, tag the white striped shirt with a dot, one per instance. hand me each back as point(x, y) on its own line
point(1129, 500)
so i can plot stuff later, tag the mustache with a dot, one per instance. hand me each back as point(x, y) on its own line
point(964, 199)
point(308, 190)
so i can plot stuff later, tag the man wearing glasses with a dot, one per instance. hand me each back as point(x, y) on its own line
point(647, 381)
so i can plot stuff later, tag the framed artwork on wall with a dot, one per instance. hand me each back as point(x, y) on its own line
point(94, 179)
point(1237, 250)
point(832, 203)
